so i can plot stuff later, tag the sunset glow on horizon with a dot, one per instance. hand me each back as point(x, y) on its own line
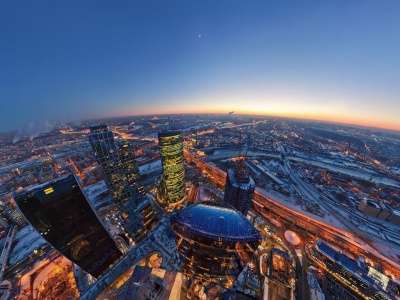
point(332, 119)
point(335, 62)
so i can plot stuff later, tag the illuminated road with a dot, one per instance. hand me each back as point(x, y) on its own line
point(303, 224)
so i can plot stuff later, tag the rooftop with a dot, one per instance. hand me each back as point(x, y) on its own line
point(372, 203)
point(169, 133)
point(216, 220)
point(244, 181)
point(98, 128)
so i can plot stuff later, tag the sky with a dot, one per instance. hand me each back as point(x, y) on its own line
point(335, 60)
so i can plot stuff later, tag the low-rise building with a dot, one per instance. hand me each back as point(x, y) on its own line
point(395, 217)
point(369, 207)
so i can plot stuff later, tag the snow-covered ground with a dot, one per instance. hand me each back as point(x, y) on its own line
point(252, 168)
point(268, 173)
point(218, 154)
point(95, 189)
point(28, 240)
point(385, 252)
point(291, 203)
point(365, 175)
point(151, 167)
point(206, 193)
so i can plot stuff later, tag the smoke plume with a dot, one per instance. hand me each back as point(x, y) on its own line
point(33, 130)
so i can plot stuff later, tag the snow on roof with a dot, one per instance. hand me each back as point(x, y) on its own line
point(95, 189)
point(29, 240)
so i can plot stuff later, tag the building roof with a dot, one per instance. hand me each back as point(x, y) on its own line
point(169, 133)
point(342, 259)
point(246, 184)
point(98, 128)
point(372, 204)
point(396, 212)
point(216, 220)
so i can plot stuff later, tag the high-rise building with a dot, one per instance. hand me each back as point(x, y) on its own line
point(122, 177)
point(63, 216)
point(127, 158)
point(118, 162)
point(11, 212)
point(369, 207)
point(171, 148)
point(214, 241)
point(239, 188)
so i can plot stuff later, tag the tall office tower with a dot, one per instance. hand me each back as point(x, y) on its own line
point(11, 212)
point(239, 188)
point(62, 215)
point(214, 241)
point(126, 154)
point(117, 161)
point(173, 183)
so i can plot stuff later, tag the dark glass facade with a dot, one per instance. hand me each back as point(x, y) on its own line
point(171, 148)
point(61, 214)
point(239, 190)
point(213, 240)
point(118, 162)
point(126, 154)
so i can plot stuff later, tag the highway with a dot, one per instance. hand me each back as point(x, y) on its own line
point(305, 224)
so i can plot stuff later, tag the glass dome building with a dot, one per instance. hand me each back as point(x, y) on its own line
point(214, 241)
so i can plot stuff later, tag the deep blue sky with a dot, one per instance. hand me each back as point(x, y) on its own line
point(72, 60)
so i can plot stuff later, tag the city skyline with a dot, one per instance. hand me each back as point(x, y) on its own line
point(266, 201)
point(75, 61)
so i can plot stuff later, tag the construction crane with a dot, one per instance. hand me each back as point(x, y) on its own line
point(241, 172)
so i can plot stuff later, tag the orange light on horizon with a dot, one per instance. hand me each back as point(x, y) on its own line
point(367, 122)
point(282, 107)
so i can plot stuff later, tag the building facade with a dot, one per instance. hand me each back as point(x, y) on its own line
point(126, 154)
point(122, 177)
point(385, 212)
point(214, 241)
point(61, 214)
point(118, 162)
point(171, 149)
point(369, 207)
point(395, 217)
point(239, 189)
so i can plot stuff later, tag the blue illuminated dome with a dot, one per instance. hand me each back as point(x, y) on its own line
point(214, 241)
point(216, 221)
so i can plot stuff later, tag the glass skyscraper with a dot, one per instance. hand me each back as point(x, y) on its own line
point(126, 154)
point(118, 162)
point(62, 215)
point(173, 183)
point(122, 177)
point(214, 241)
point(239, 188)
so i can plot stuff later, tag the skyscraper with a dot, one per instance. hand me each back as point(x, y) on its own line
point(60, 212)
point(214, 241)
point(171, 148)
point(126, 154)
point(239, 188)
point(122, 177)
point(118, 162)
